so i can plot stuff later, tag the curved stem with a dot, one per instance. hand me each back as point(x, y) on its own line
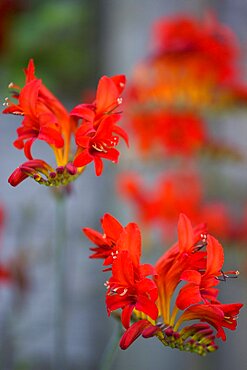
point(60, 284)
point(110, 351)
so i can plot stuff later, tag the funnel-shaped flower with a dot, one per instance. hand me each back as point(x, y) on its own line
point(46, 119)
point(148, 303)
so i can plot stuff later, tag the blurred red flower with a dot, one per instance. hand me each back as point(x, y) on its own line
point(178, 191)
point(193, 69)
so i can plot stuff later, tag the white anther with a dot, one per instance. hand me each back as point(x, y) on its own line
point(124, 292)
point(119, 100)
point(99, 148)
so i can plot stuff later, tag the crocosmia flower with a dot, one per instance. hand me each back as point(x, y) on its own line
point(92, 127)
point(176, 300)
point(191, 69)
point(161, 202)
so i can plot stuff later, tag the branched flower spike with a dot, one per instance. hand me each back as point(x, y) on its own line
point(92, 126)
point(145, 294)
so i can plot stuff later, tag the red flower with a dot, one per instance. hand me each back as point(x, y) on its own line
point(161, 202)
point(5, 274)
point(107, 100)
point(200, 287)
point(148, 303)
point(218, 315)
point(207, 38)
point(31, 168)
point(193, 69)
point(96, 136)
point(93, 145)
point(42, 114)
point(128, 289)
point(106, 242)
point(182, 133)
point(45, 118)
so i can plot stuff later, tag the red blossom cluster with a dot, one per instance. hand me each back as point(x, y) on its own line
point(169, 195)
point(160, 204)
point(93, 127)
point(193, 68)
point(190, 270)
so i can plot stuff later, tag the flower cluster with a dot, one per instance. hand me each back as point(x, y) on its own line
point(160, 203)
point(172, 193)
point(162, 300)
point(192, 69)
point(93, 127)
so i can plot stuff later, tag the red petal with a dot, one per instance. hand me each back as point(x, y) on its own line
point(192, 276)
point(83, 159)
point(51, 136)
point(215, 256)
point(17, 177)
point(188, 295)
point(148, 287)
point(146, 269)
point(120, 82)
point(119, 131)
point(30, 71)
point(112, 154)
point(94, 236)
point(98, 166)
point(122, 270)
point(133, 333)
point(29, 96)
point(84, 130)
point(126, 315)
point(130, 240)
point(84, 111)
point(147, 306)
point(107, 95)
point(111, 226)
point(185, 233)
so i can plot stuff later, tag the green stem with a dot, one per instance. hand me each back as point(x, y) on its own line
point(110, 351)
point(60, 360)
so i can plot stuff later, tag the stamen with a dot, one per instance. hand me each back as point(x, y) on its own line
point(106, 284)
point(227, 275)
point(114, 254)
point(124, 292)
point(6, 103)
point(200, 244)
point(119, 101)
point(99, 147)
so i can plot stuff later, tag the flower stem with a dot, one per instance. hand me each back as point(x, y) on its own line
point(110, 351)
point(60, 360)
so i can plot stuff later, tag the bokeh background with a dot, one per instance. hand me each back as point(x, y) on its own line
point(73, 44)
